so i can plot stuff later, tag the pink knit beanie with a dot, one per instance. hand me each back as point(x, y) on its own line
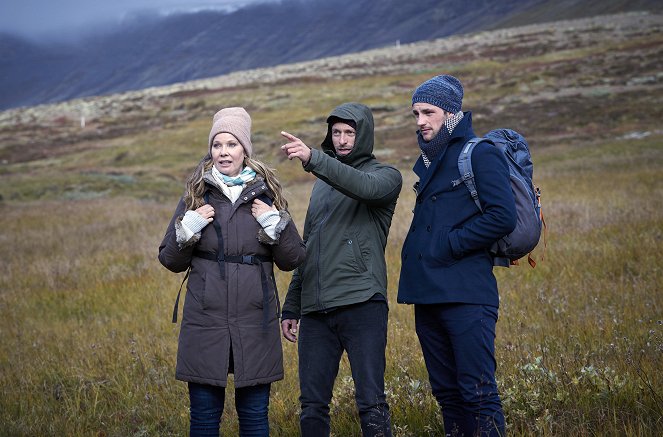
point(235, 121)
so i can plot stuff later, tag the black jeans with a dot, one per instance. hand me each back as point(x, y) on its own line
point(458, 343)
point(360, 330)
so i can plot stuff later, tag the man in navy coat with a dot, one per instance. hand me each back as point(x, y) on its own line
point(447, 268)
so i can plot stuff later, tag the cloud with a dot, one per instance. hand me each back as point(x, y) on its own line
point(38, 18)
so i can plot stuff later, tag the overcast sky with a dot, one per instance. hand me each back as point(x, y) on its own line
point(36, 18)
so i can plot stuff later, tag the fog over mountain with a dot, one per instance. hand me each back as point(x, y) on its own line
point(69, 19)
point(151, 49)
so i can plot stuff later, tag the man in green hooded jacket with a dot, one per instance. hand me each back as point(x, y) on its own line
point(338, 296)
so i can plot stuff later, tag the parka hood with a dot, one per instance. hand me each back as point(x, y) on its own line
point(363, 147)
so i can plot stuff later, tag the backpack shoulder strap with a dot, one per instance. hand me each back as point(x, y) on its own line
point(465, 169)
point(177, 301)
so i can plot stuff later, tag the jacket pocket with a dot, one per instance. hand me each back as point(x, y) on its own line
point(196, 287)
point(441, 248)
point(353, 253)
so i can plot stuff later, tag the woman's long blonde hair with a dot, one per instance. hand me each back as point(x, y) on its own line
point(195, 184)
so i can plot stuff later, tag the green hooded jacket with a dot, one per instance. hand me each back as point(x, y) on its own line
point(347, 223)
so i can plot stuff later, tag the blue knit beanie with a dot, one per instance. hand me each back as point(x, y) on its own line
point(443, 91)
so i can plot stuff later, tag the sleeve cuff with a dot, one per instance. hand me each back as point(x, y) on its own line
point(194, 221)
point(268, 220)
point(311, 162)
point(183, 235)
point(286, 315)
point(271, 236)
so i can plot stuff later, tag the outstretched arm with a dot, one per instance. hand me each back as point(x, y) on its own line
point(377, 187)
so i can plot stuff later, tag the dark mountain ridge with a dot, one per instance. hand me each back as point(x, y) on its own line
point(177, 48)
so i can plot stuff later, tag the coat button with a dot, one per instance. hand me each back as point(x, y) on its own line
point(246, 198)
point(434, 198)
point(349, 241)
point(253, 193)
point(420, 256)
point(428, 228)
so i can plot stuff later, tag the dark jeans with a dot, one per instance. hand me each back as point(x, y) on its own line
point(360, 330)
point(207, 403)
point(458, 343)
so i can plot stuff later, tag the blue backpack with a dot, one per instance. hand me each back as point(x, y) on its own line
point(524, 238)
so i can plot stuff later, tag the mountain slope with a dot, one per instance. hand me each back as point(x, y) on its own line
point(548, 11)
point(153, 52)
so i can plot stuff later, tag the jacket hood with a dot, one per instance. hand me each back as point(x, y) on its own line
point(363, 148)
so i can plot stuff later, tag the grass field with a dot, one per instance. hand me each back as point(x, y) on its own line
point(86, 343)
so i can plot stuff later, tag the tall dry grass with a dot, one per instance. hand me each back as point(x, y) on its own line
point(87, 347)
point(86, 343)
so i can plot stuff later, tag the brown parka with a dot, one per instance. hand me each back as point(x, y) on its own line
point(228, 311)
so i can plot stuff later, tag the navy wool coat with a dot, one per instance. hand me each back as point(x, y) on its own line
point(445, 256)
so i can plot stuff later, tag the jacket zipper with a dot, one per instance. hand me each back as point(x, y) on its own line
point(317, 264)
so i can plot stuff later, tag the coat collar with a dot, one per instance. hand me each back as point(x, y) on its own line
point(252, 189)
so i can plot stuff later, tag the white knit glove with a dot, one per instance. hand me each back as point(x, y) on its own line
point(192, 223)
point(268, 220)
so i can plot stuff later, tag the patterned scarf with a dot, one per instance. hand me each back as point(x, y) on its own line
point(246, 175)
point(430, 150)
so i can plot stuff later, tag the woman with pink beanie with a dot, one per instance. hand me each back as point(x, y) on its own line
point(230, 322)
